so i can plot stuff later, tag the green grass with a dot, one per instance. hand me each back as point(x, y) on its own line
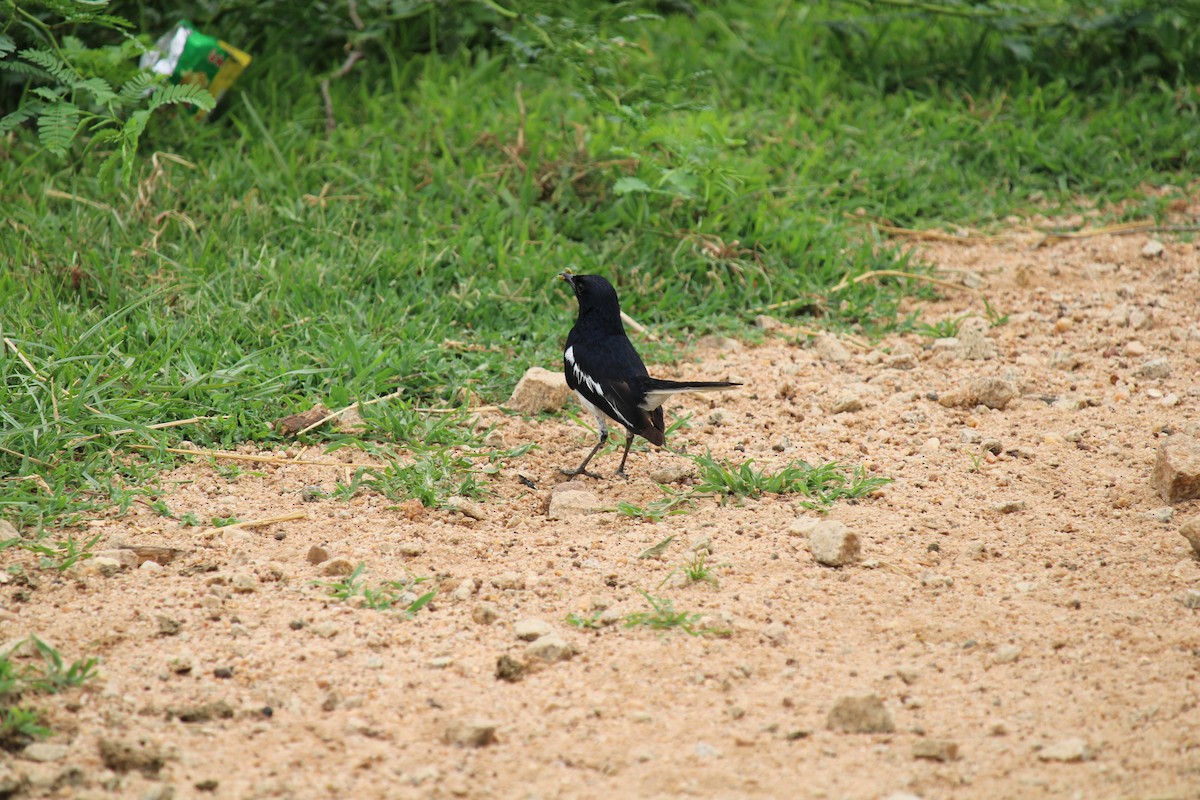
point(717, 165)
point(62, 554)
point(662, 616)
point(656, 510)
point(942, 329)
point(696, 569)
point(21, 680)
point(382, 596)
point(822, 484)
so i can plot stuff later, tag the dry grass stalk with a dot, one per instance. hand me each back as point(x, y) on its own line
point(208, 533)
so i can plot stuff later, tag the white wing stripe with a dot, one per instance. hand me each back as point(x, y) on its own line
point(587, 380)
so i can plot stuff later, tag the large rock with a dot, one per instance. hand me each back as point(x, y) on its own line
point(1176, 474)
point(860, 714)
point(539, 390)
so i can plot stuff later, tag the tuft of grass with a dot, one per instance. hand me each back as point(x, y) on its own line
point(381, 597)
point(663, 616)
point(656, 510)
point(590, 622)
point(21, 723)
point(823, 484)
point(942, 329)
point(696, 569)
point(62, 554)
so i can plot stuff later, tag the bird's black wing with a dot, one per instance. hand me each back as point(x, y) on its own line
point(608, 372)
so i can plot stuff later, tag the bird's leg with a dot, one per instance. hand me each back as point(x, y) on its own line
point(582, 468)
point(625, 455)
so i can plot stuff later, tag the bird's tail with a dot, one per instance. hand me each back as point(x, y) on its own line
point(656, 390)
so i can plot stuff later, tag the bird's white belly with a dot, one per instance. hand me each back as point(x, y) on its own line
point(601, 417)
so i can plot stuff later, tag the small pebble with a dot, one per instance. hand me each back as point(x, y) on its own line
point(529, 629)
point(45, 752)
point(326, 630)
point(1006, 654)
point(474, 732)
point(337, 567)
point(860, 714)
point(1069, 751)
point(485, 613)
point(833, 544)
point(509, 669)
point(1163, 514)
point(1154, 369)
point(935, 749)
point(550, 648)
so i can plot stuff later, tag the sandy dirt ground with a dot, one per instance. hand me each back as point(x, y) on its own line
point(1019, 608)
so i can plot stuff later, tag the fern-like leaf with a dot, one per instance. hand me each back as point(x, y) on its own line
point(24, 68)
point(57, 126)
point(7, 45)
point(51, 63)
point(50, 94)
point(136, 124)
point(135, 87)
point(106, 135)
point(28, 111)
point(182, 93)
point(98, 88)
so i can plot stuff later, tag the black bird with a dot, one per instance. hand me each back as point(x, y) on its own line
point(609, 376)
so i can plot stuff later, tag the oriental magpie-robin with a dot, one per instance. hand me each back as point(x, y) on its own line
point(609, 376)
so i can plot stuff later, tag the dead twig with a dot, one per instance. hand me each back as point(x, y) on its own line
point(38, 479)
point(57, 195)
point(476, 410)
point(253, 523)
point(17, 351)
point(23, 455)
point(178, 423)
point(1121, 229)
point(875, 274)
point(351, 59)
point(149, 185)
point(928, 234)
point(222, 456)
point(850, 339)
point(324, 198)
point(351, 407)
point(638, 327)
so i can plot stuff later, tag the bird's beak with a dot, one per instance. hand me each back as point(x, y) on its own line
point(567, 276)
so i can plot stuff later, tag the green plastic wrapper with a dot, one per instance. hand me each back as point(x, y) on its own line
point(189, 56)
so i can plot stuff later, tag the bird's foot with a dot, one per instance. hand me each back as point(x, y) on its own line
point(574, 472)
point(620, 474)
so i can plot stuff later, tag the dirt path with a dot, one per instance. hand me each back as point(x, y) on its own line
point(1018, 596)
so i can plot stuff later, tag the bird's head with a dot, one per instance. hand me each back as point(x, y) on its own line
point(590, 289)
